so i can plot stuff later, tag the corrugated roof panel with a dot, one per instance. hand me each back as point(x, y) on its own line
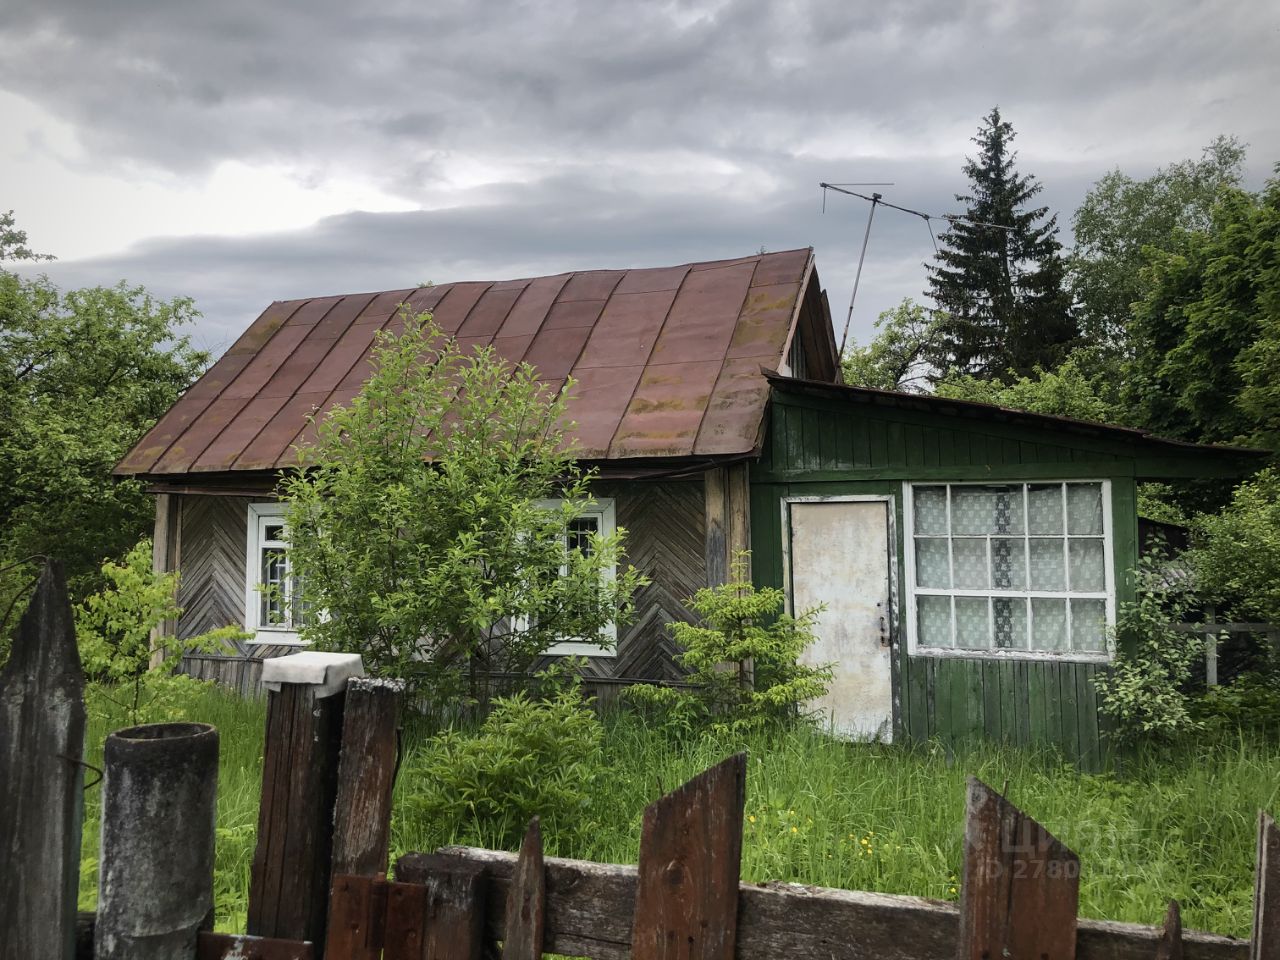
point(627, 329)
point(512, 349)
point(383, 305)
point(312, 311)
point(452, 311)
point(271, 447)
point(591, 285)
point(652, 280)
point(762, 326)
point(666, 410)
point(266, 361)
point(700, 324)
point(597, 402)
point(573, 313)
point(201, 432)
point(531, 309)
point(785, 267)
point(239, 432)
point(297, 367)
point(732, 421)
point(554, 352)
point(341, 316)
point(487, 315)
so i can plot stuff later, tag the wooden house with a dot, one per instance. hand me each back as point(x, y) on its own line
point(969, 558)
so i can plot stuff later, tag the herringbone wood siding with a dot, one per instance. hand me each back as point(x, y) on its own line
point(666, 531)
point(211, 585)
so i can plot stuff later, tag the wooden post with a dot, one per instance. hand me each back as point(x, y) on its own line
point(366, 776)
point(41, 744)
point(159, 817)
point(1211, 649)
point(1170, 945)
point(690, 865)
point(164, 559)
point(1021, 886)
point(1264, 944)
point(526, 906)
point(289, 879)
point(717, 543)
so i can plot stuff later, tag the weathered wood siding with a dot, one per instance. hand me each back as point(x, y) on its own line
point(666, 531)
point(817, 447)
point(666, 539)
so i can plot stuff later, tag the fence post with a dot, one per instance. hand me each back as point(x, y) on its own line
point(527, 901)
point(159, 817)
point(289, 879)
point(41, 745)
point(1170, 945)
point(690, 868)
point(1021, 887)
point(366, 776)
point(1264, 944)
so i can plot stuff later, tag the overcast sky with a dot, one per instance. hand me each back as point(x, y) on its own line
point(238, 151)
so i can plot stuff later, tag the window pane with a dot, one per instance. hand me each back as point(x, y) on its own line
point(1048, 624)
point(973, 510)
point(933, 616)
point(1046, 565)
point(931, 511)
point(1008, 564)
point(1089, 625)
point(1088, 568)
point(274, 572)
point(1084, 508)
point(973, 623)
point(933, 568)
point(578, 536)
point(969, 557)
point(1009, 617)
point(1044, 506)
point(1008, 509)
point(273, 531)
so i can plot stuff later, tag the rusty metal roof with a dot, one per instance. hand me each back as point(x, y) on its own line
point(667, 361)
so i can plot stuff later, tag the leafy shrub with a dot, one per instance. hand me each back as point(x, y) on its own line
point(531, 757)
point(1237, 553)
point(118, 630)
point(1145, 689)
point(1250, 702)
point(739, 623)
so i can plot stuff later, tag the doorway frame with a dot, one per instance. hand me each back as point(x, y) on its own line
point(890, 500)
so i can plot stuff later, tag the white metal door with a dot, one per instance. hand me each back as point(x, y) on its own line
point(839, 556)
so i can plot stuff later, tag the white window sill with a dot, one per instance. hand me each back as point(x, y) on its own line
point(278, 638)
point(1068, 656)
point(580, 648)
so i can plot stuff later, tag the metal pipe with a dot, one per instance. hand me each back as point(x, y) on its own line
point(159, 812)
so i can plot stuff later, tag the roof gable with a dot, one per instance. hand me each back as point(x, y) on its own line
point(667, 361)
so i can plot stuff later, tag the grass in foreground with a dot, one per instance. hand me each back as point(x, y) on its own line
point(862, 817)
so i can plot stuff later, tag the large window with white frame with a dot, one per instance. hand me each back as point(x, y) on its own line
point(1012, 569)
point(272, 611)
point(597, 520)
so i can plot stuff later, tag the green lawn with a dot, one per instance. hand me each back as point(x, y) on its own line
point(855, 816)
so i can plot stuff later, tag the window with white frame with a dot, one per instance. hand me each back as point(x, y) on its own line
point(597, 520)
point(272, 614)
point(1010, 569)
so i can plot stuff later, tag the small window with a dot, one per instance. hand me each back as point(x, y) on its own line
point(596, 521)
point(1010, 569)
point(273, 611)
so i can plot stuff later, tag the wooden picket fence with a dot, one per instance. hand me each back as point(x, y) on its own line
point(319, 886)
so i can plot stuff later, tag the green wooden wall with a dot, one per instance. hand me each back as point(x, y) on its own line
point(821, 447)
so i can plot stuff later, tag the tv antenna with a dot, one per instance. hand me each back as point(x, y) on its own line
point(876, 200)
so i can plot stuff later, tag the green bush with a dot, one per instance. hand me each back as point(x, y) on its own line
point(739, 624)
point(1145, 689)
point(530, 757)
point(1250, 702)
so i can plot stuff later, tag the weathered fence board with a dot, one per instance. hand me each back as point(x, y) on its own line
point(590, 908)
point(42, 723)
point(526, 906)
point(1266, 892)
point(366, 776)
point(234, 946)
point(444, 912)
point(1020, 889)
point(690, 865)
point(1170, 946)
point(289, 878)
point(357, 912)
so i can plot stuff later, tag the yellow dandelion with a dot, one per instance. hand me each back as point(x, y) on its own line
point(795, 829)
point(751, 818)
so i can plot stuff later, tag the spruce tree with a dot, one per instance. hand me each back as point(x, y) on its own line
point(1003, 308)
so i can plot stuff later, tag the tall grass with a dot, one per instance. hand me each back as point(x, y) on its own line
point(868, 817)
